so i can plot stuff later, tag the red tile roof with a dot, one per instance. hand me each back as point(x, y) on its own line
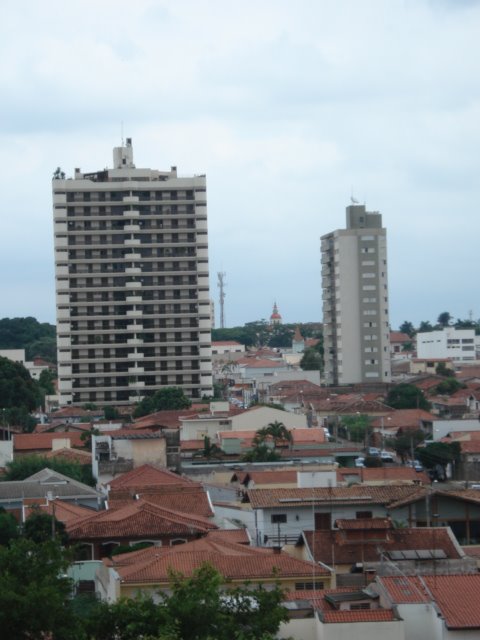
point(398, 336)
point(71, 455)
point(136, 520)
point(165, 419)
point(458, 598)
point(357, 494)
point(64, 511)
point(44, 441)
point(405, 589)
point(193, 500)
point(404, 418)
point(347, 550)
point(148, 475)
point(348, 616)
point(233, 561)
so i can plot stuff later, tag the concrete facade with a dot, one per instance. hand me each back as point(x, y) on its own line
point(355, 300)
point(132, 290)
point(457, 344)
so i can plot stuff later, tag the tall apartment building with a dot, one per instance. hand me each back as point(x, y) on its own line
point(132, 290)
point(355, 300)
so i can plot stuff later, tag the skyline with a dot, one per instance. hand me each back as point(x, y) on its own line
point(289, 111)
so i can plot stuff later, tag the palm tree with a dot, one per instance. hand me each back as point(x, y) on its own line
point(279, 432)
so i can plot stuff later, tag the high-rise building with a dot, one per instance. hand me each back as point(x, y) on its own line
point(355, 300)
point(132, 290)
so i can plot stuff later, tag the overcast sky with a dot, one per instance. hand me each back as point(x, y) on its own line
point(288, 107)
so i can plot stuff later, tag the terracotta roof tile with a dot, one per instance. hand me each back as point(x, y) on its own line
point(149, 475)
point(458, 597)
point(357, 494)
point(233, 561)
point(44, 441)
point(139, 519)
point(347, 551)
point(347, 616)
point(405, 589)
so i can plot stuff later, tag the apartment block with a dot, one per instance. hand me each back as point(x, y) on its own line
point(355, 300)
point(132, 288)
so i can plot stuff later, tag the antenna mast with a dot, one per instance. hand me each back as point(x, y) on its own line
point(221, 285)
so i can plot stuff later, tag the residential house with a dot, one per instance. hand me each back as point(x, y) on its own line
point(160, 487)
point(47, 485)
point(149, 570)
point(138, 521)
point(280, 515)
point(336, 614)
point(434, 607)
point(119, 451)
point(360, 548)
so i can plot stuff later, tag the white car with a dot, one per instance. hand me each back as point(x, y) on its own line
point(359, 462)
point(386, 456)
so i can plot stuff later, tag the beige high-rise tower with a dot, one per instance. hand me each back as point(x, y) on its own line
point(355, 300)
point(131, 270)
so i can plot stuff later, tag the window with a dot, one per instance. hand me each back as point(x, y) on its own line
point(360, 515)
point(357, 606)
point(278, 518)
point(369, 287)
point(367, 238)
point(308, 586)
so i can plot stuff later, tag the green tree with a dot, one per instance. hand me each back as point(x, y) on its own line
point(439, 453)
point(24, 467)
point(198, 609)
point(168, 398)
point(17, 389)
point(201, 607)
point(110, 413)
point(260, 452)
point(407, 396)
point(46, 380)
point(41, 527)
point(442, 370)
point(444, 319)
point(8, 527)
point(38, 339)
point(408, 328)
point(449, 386)
point(35, 595)
point(406, 441)
point(19, 417)
point(311, 360)
point(425, 326)
point(357, 427)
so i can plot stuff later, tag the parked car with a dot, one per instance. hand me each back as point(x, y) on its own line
point(386, 456)
point(360, 462)
point(416, 464)
point(373, 451)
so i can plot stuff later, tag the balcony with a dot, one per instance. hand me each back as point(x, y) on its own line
point(130, 199)
point(132, 242)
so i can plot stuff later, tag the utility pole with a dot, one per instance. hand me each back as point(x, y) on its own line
point(221, 285)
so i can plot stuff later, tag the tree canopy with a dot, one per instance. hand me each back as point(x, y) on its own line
point(198, 608)
point(37, 338)
point(35, 594)
point(168, 398)
point(407, 396)
point(311, 360)
point(24, 467)
point(17, 389)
